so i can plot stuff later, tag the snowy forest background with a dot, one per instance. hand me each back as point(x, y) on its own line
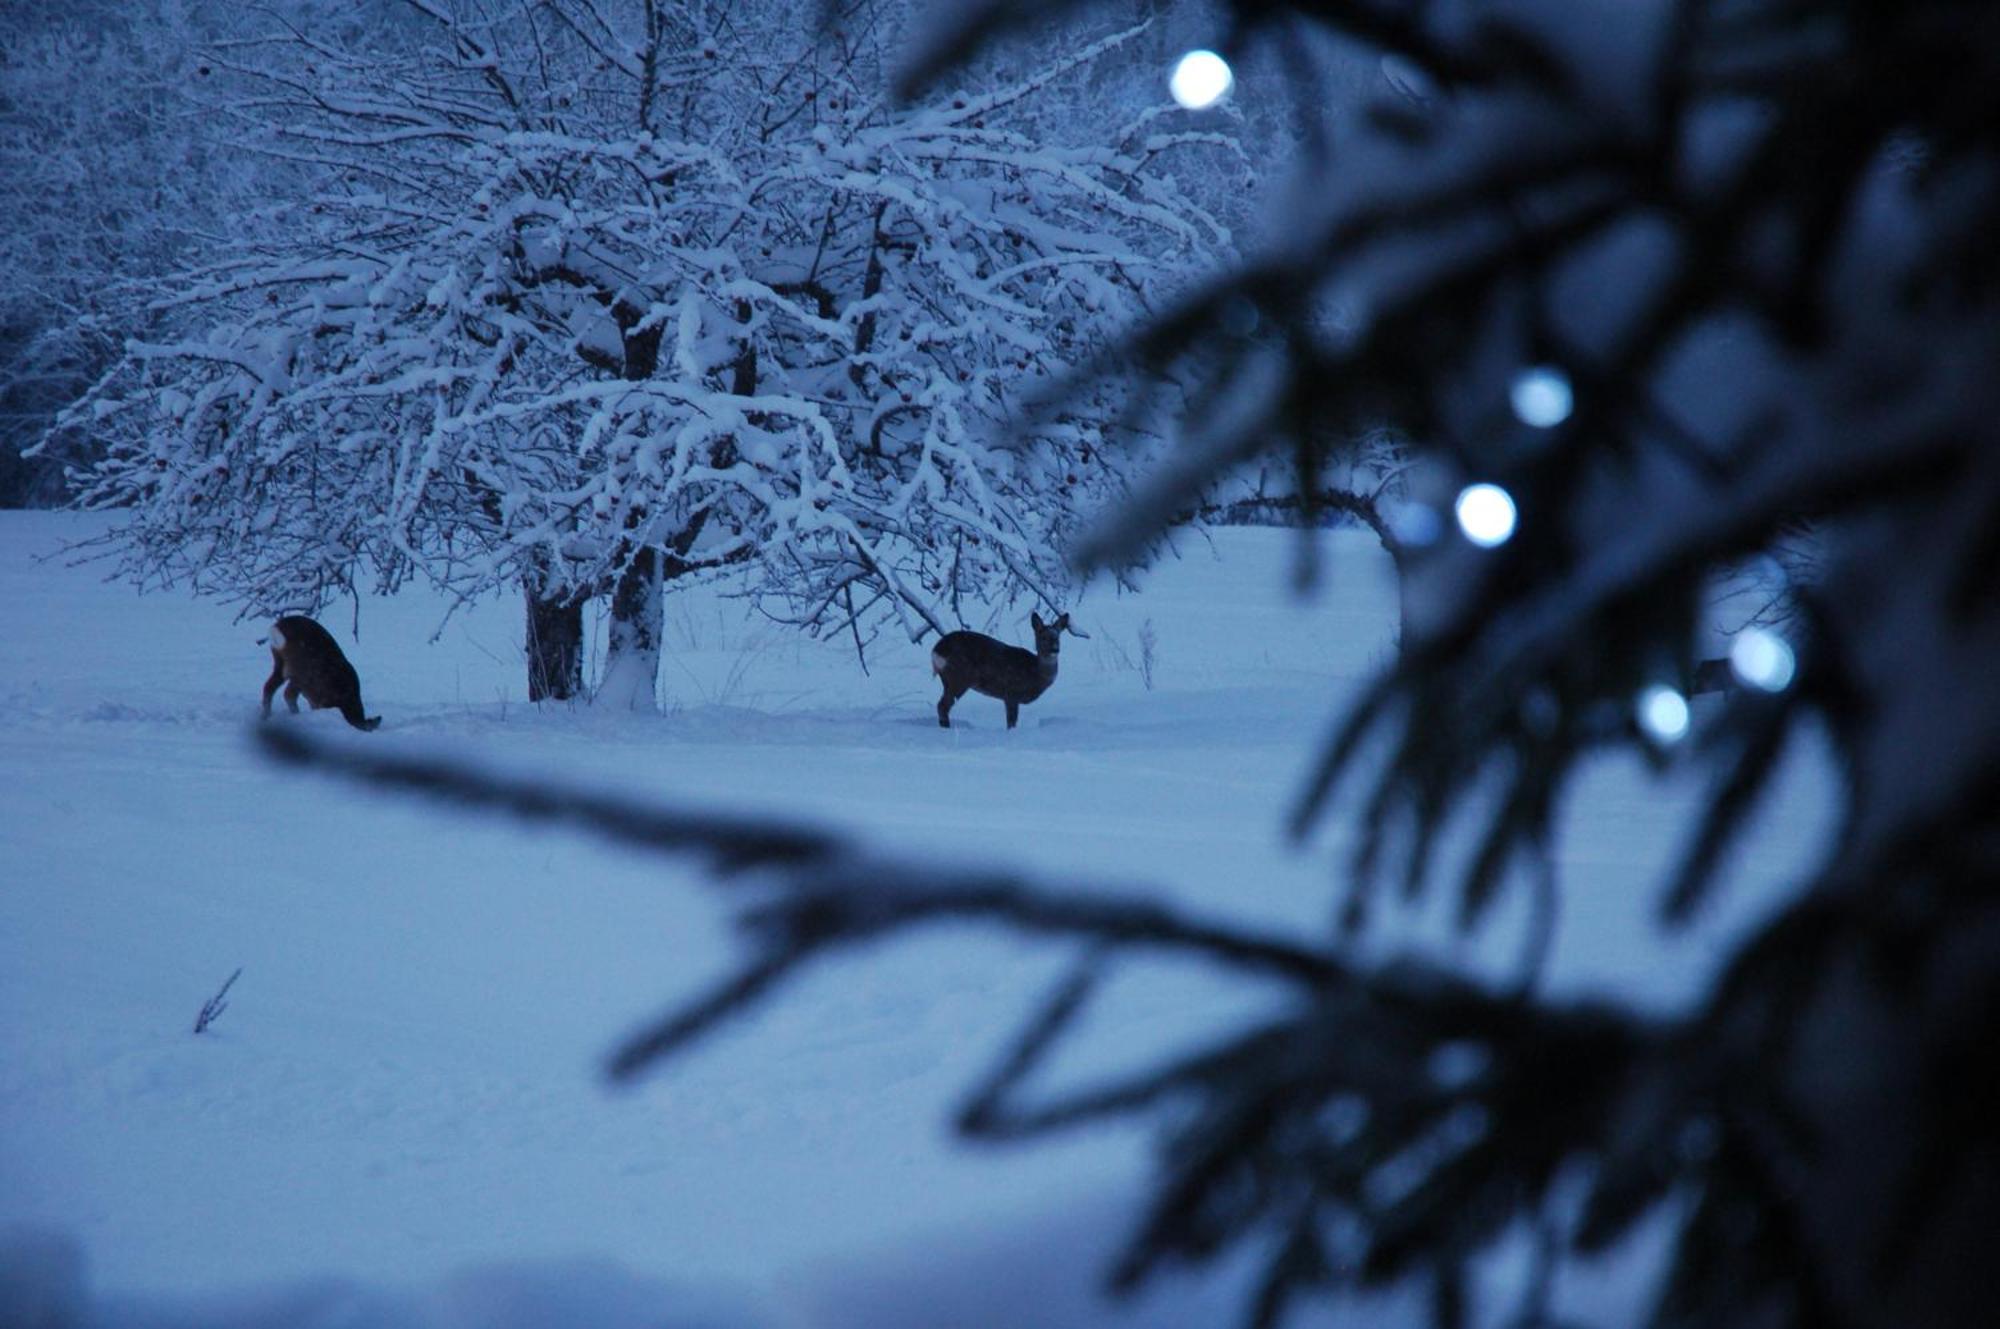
point(1647, 348)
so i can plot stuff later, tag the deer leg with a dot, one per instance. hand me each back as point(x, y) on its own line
point(946, 702)
point(1013, 713)
point(292, 697)
point(271, 683)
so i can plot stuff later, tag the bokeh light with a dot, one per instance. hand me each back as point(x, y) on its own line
point(1486, 514)
point(1542, 397)
point(1762, 660)
point(1200, 80)
point(1663, 714)
point(1414, 524)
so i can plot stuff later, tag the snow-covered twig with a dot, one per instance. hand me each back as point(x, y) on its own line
point(212, 1009)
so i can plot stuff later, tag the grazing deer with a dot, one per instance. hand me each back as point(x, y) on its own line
point(306, 658)
point(974, 662)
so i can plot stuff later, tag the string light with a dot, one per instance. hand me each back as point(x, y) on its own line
point(1762, 660)
point(1414, 524)
point(1663, 714)
point(1485, 514)
point(1200, 80)
point(1542, 396)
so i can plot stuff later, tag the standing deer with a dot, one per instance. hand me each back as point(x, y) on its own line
point(306, 659)
point(974, 662)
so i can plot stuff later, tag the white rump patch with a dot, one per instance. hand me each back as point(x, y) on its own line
point(937, 663)
point(277, 638)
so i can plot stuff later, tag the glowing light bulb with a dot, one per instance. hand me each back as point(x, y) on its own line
point(1485, 514)
point(1542, 397)
point(1762, 660)
point(1663, 714)
point(1414, 524)
point(1200, 80)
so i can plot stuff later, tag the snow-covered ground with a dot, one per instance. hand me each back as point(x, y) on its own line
point(401, 1118)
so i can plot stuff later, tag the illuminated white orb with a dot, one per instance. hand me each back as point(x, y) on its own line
point(1200, 80)
point(1486, 514)
point(1541, 396)
point(1414, 524)
point(1663, 714)
point(1762, 660)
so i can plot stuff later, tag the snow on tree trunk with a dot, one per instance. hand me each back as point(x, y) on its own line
point(632, 654)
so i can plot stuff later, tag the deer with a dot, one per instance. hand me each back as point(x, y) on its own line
point(974, 662)
point(306, 659)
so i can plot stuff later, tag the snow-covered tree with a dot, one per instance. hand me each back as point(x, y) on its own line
point(101, 179)
point(590, 297)
point(111, 174)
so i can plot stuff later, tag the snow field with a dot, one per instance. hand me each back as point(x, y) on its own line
point(405, 1090)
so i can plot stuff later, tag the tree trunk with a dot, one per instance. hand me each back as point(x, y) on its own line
point(555, 645)
point(632, 653)
point(638, 601)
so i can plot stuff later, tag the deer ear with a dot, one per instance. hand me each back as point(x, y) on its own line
point(1036, 619)
point(1061, 623)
